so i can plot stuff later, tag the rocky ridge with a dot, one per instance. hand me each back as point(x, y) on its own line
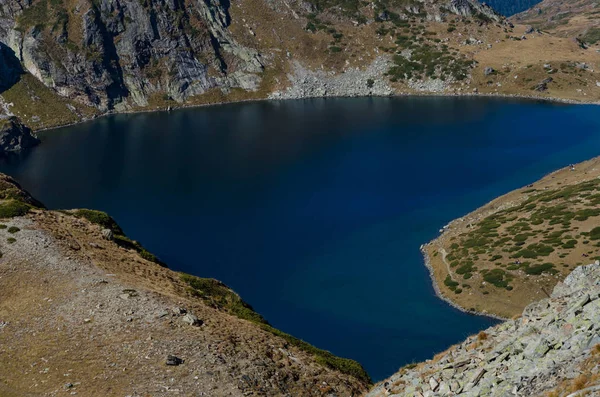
point(554, 347)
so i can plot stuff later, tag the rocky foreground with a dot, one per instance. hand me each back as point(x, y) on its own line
point(553, 349)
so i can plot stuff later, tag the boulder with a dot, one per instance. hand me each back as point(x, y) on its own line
point(488, 70)
point(192, 320)
point(543, 85)
point(107, 234)
point(174, 360)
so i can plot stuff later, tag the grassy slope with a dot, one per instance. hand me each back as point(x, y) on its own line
point(41, 107)
point(217, 295)
point(515, 249)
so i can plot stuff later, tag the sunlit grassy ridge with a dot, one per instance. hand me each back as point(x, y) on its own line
point(550, 231)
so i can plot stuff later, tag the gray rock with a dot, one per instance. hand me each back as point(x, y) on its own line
point(488, 70)
point(107, 234)
point(191, 319)
point(543, 85)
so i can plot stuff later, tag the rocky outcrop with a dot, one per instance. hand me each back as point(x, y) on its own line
point(549, 346)
point(307, 83)
point(122, 54)
point(473, 8)
point(15, 136)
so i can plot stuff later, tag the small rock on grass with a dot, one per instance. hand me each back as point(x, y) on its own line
point(174, 360)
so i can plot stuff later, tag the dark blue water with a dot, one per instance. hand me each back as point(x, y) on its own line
point(313, 210)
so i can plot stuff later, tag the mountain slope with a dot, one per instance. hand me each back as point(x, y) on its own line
point(86, 311)
point(70, 60)
point(565, 19)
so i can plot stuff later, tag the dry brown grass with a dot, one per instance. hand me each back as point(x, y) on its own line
point(127, 353)
point(579, 383)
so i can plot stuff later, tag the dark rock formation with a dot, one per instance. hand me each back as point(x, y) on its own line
point(543, 85)
point(15, 136)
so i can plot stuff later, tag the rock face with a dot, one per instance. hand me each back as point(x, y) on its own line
point(15, 136)
point(469, 8)
point(551, 344)
point(122, 54)
point(112, 54)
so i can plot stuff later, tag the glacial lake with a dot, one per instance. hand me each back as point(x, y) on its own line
point(313, 210)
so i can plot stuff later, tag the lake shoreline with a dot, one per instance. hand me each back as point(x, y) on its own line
point(584, 171)
point(438, 292)
point(397, 95)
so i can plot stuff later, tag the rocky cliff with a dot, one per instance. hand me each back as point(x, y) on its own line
point(553, 349)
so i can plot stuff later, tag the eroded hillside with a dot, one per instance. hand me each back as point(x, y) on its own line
point(84, 310)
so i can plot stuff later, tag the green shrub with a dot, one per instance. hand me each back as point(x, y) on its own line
point(11, 240)
point(127, 243)
point(520, 237)
point(13, 229)
point(451, 284)
point(594, 234)
point(569, 244)
point(592, 36)
point(100, 218)
point(13, 208)
point(497, 277)
point(539, 269)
